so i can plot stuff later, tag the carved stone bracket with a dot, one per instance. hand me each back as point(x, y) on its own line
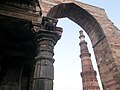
point(49, 23)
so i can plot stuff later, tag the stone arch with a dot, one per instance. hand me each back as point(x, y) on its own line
point(79, 16)
point(97, 30)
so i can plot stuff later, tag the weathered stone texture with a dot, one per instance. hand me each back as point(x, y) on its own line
point(20, 9)
point(46, 5)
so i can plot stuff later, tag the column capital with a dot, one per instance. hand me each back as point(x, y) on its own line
point(47, 29)
point(49, 35)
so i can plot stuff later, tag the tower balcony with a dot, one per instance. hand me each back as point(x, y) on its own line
point(88, 73)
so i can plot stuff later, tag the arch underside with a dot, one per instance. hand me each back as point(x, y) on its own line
point(81, 17)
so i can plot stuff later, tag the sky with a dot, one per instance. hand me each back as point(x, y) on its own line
point(67, 66)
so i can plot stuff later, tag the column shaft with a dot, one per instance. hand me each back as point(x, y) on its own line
point(44, 68)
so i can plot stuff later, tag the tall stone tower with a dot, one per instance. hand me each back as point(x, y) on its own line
point(88, 74)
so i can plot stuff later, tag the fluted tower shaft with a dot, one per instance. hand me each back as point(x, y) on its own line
point(88, 74)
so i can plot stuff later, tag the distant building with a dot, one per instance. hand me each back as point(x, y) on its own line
point(88, 74)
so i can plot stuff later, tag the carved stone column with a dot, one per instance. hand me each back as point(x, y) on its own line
point(44, 69)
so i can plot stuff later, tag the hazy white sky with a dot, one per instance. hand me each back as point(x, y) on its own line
point(67, 62)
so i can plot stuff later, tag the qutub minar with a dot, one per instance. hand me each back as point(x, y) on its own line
point(88, 74)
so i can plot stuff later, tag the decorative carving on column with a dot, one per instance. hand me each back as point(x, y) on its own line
point(49, 23)
point(47, 38)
